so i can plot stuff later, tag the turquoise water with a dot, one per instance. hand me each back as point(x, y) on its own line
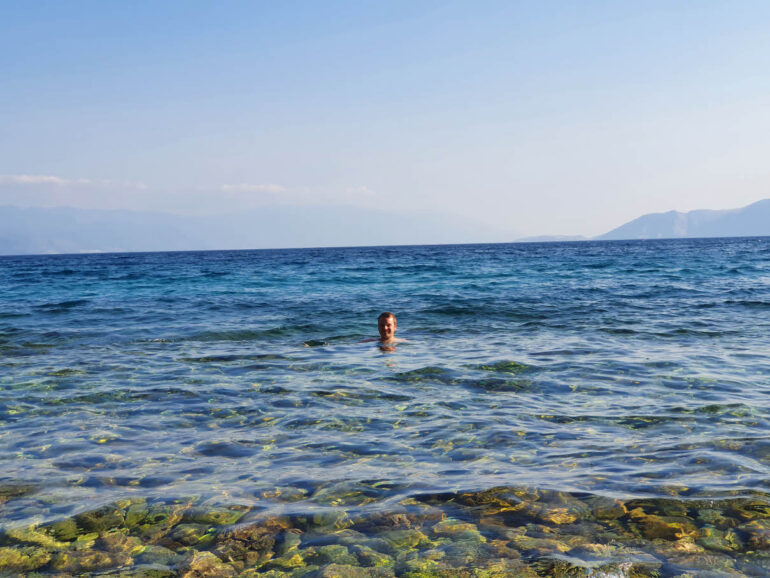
point(623, 370)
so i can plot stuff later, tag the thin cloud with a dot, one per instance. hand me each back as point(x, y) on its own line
point(41, 180)
point(246, 188)
point(62, 182)
point(362, 190)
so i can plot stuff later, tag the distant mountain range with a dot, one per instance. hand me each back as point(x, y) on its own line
point(68, 230)
point(750, 221)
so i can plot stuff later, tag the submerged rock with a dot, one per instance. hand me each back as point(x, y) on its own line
point(287, 562)
point(607, 508)
point(135, 514)
point(22, 558)
point(119, 541)
point(84, 541)
point(148, 571)
point(203, 564)
point(549, 513)
point(309, 571)
point(752, 509)
point(716, 518)
point(154, 554)
point(284, 494)
point(330, 554)
point(502, 549)
point(287, 542)
point(64, 530)
point(655, 527)
point(348, 571)
point(758, 532)
point(245, 547)
point(520, 540)
point(370, 557)
point(326, 521)
point(159, 520)
point(505, 568)
point(398, 520)
point(100, 520)
point(608, 560)
point(88, 560)
point(720, 540)
point(413, 565)
point(31, 535)
point(9, 491)
point(189, 535)
point(403, 540)
point(497, 500)
point(463, 553)
point(705, 562)
point(213, 516)
point(457, 528)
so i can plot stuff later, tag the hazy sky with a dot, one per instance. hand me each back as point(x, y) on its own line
point(538, 117)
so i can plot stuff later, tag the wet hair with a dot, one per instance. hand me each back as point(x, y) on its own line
point(385, 315)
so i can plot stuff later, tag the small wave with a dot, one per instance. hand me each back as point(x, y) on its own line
point(685, 331)
point(332, 340)
point(273, 389)
point(749, 303)
point(62, 306)
point(87, 462)
point(127, 277)
point(362, 449)
point(226, 449)
point(234, 358)
point(618, 331)
point(717, 409)
point(14, 315)
point(66, 372)
point(560, 352)
point(452, 310)
point(243, 334)
point(521, 313)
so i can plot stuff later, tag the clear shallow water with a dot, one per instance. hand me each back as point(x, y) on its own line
point(628, 370)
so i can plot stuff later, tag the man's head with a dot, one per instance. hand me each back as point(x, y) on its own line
point(386, 325)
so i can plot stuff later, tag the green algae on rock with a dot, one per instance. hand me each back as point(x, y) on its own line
point(22, 558)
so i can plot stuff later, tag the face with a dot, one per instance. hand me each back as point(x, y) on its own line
point(386, 327)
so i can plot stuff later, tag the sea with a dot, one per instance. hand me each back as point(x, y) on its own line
point(600, 408)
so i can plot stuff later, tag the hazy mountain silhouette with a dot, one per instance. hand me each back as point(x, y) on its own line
point(750, 221)
point(69, 230)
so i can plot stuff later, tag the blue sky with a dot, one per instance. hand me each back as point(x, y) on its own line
point(528, 117)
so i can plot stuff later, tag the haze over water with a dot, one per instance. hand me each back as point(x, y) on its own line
point(629, 370)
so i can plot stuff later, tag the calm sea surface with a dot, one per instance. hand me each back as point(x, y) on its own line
point(623, 370)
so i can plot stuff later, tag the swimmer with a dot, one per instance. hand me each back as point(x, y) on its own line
point(386, 326)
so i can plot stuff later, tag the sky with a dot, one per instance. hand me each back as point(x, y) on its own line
point(527, 117)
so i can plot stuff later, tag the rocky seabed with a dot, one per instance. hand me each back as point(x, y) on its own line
point(498, 532)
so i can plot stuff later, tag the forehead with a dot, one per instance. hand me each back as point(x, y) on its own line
point(386, 319)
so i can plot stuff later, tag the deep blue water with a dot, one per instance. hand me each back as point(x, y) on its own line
point(623, 369)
